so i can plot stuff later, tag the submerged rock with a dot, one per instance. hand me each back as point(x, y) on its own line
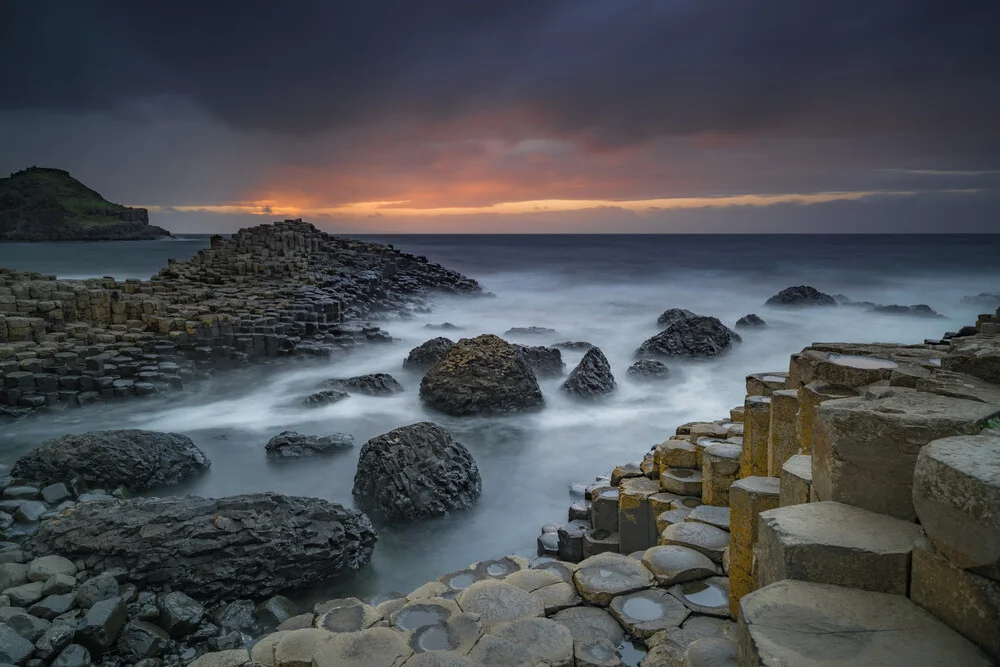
point(801, 295)
point(574, 345)
point(213, 548)
point(289, 444)
point(444, 326)
point(482, 375)
point(750, 321)
point(544, 361)
point(592, 377)
point(136, 459)
point(672, 315)
point(414, 472)
point(427, 354)
point(325, 397)
point(692, 337)
point(648, 369)
point(372, 384)
point(919, 310)
point(529, 331)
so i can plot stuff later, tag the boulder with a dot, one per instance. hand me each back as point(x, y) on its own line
point(136, 459)
point(801, 295)
point(978, 356)
point(751, 321)
point(414, 472)
point(102, 587)
point(580, 345)
point(372, 384)
point(646, 370)
point(100, 627)
point(592, 377)
point(428, 353)
point(544, 361)
point(692, 337)
point(673, 315)
point(213, 548)
point(180, 614)
point(14, 649)
point(324, 398)
point(289, 444)
point(482, 375)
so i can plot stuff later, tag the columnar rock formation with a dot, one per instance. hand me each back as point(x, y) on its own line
point(268, 291)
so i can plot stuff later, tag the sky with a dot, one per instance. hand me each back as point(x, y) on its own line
point(440, 116)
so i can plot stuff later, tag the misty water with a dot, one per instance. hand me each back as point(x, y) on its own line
point(607, 290)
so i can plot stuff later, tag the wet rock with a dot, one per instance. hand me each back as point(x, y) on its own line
point(428, 353)
point(58, 636)
point(751, 321)
point(135, 459)
point(711, 652)
point(498, 602)
point(347, 617)
point(544, 361)
point(53, 605)
point(692, 337)
point(706, 596)
point(30, 511)
point(648, 370)
point(272, 542)
point(920, 310)
point(672, 564)
point(180, 615)
point(444, 326)
point(801, 295)
point(53, 494)
point(646, 612)
point(545, 642)
point(605, 576)
point(529, 331)
point(414, 472)
point(483, 375)
point(275, 610)
point(13, 574)
point(98, 630)
point(558, 596)
point(14, 649)
point(671, 316)
point(978, 356)
point(25, 594)
point(440, 659)
point(701, 537)
point(142, 640)
point(589, 624)
point(326, 397)
point(592, 377)
point(28, 625)
point(374, 647)
point(373, 384)
point(289, 444)
point(102, 587)
point(580, 345)
point(240, 615)
point(73, 655)
point(44, 567)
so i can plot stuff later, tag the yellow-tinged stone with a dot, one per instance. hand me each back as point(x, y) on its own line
point(756, 425)
point(736, 414)
point(811, 395)
point(762, 384)
point(720, 468)
point(748, 497)
point(796, 480)
point(781, 442)
point(674, 454)
point(636, 526)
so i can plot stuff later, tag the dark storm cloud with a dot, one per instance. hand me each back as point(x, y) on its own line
point(615, 72)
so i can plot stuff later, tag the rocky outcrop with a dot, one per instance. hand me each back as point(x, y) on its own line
point(692, 337)
point(592, 376)
point(482, 375)
point(414, 472)
point(427, 354)
point(529, 331)
point(751, 321)
point(801, 295)
point(646, 370)
point(372, 384)
point(289, 444)
point(213, 548)
point(136, 459)
point(672, 315)
point(920, 310)
point(544, 361)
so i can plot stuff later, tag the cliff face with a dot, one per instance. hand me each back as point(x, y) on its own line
point(40, 204)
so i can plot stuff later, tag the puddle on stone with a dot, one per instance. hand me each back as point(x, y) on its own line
point(704, 595)
point(420, 616)
point(681, 472)
point(857, 361)
point(606, 573)
point(499, 568)
point(689, 502)
point(631, 653)
point(642, 609)
point(433, 638)
point(934, 362)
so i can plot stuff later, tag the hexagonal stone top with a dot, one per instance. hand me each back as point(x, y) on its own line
point(604, 576)
point(497, 602)
point(649, 611)
point(672, 564)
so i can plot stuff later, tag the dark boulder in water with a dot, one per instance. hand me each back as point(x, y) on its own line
point(544, 361)
point(427, 354)
point(646, 370)
point(528, 331)
point(672, 315)
point(751, 321)
point(573, 345)
point(692, 337)
point(249, 546)
point(445, 326)
point(481, 376)
point(289, 444)
point(414, 472)
point(136, 459)
point(372, 384)
point(801, 295)
point(325, 397)
point(592, 377)
point(920, 310)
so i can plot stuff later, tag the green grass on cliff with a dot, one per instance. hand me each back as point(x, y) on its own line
point(41, 189)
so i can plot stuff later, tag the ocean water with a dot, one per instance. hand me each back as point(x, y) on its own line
point(607, 290)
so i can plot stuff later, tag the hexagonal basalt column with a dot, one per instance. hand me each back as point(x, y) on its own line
point(748, 497)
point(796, 480)
point(636, 525)
point(720, 466)
point(781, 443)
point(756, 424)
point(810, 396)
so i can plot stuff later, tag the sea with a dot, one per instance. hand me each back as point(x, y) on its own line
point(604, 289)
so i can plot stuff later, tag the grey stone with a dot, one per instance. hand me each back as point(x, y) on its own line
point(30, 511)
point(98, 630)
point(58, 584)
point(556, 597)
point(25, 594)
point(54, 494)
point(644, 613)
point(53, 605)
point(592, 377)
point(427, 354)
point(73, 655)
point(20, 493)
point(497, 602)
point(672, 564)
point(605, 576)
point(373, 384)
point(102, 587)
point(58, 636)
point(240, 615)
point(141, 640)
point(14, 649)
point(231, 658)
point(289, 444)
point(180, 615)
point(29, 626)
point(706, 596)
point(588, 624)
point(690, 337)
point(44, 567)
point(13, 574)
point(701, 537)
point(374, 647)
point(547, 643)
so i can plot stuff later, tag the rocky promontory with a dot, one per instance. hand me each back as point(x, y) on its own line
point(40, 204)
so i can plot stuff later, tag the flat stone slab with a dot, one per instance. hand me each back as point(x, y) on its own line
point(956, 492)
point(558, 597)
point(498, 602)
point(673, 564)
point(709, 540)
point(832, 543)
point(439, 659)
point(682, 481)
point(378, 647)
point(711, 515)
point(548, 643)
point(589, 624)
point(707, 596)
point(805, 624)
point(605, 576)
point(647, 612)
